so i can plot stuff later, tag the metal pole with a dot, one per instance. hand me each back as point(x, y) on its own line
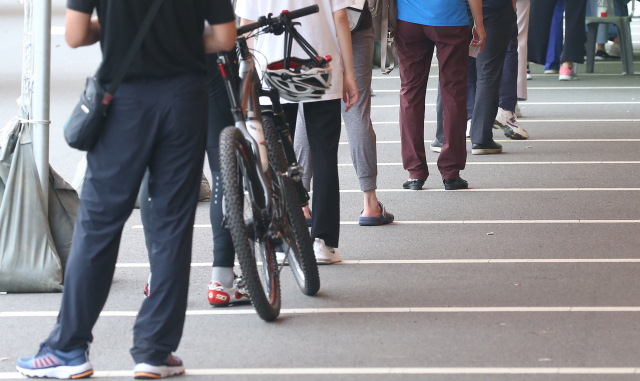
point(41, 86)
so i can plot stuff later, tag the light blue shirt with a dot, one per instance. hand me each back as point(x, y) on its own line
point(433, 12)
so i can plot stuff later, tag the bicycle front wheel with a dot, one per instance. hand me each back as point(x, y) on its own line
point(297, 242)
point(246, 224)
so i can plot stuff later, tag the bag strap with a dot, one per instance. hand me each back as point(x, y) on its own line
point(131, 53)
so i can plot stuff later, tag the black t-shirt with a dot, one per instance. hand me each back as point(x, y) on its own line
point(173, 44)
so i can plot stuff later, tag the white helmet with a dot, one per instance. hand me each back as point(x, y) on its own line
point(302, 81)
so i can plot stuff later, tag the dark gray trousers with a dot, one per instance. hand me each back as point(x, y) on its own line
point(357, 122)
point(155, 123)
point(485, 75)
point(219, 117)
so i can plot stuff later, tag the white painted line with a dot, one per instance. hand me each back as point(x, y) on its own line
point(534, 75)
point(527, 120)
point(542, 88)
point(501, 190)
point(367, 371)
point(379, 310)
point(515, 163)
point(511, 222)
point(529, 141)
point(437, 262)
point(540, 104)
point(460, 222)
point(484, 261)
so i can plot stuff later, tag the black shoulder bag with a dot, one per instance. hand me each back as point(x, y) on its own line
point(88, 117)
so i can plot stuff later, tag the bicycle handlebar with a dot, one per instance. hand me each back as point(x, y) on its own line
point(306, 11)
point(284, 16)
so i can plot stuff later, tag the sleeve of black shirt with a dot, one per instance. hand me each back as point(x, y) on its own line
point(84, 6)
point(220, 12)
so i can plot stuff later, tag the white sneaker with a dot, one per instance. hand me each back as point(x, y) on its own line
point(518, 111)
point(508, 122)
point(325, 255)
point(615, 51)
point(468, 128)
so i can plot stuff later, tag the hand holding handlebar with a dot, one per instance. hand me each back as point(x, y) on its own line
point(285, 16)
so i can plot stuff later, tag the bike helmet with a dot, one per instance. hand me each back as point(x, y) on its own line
point(302, 81)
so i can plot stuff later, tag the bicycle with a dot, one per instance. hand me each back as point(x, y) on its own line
point(261, 180)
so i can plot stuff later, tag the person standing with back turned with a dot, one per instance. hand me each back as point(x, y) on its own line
point(442, 24)
point(157, 120)
point(328, 33)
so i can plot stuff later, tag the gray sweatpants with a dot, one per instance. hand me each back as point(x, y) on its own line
point(362, 138)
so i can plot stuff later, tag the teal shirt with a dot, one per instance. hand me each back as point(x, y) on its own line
point(433, 12)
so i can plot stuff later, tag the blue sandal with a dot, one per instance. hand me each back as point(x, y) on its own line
point(383, 219)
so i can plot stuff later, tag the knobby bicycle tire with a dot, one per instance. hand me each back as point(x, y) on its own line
point(303, 261)
point(232, 148)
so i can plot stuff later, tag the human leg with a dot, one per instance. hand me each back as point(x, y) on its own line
point(439, 121)
point(541, 14)
point(500, 28)
point(223, 287)
point(415, 51)
point(175, 168)
point(556, 38)
point(453, 57)
point(509, 80)
point(506, 118)
point(524, 7)
point(302, 149)
point(360, 133)
point(323, 130)
point(220, 116)
point(115, 168)
point(575, 37)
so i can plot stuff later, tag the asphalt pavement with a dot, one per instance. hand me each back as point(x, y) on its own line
point(531, 274)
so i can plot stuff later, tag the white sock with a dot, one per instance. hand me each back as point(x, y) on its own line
point(223, 275)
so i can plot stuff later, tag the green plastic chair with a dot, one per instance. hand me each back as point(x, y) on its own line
point(623, 23)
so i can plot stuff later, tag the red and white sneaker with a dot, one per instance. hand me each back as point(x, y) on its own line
point(218, 295)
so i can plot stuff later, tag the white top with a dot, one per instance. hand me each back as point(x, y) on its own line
point(318, 29)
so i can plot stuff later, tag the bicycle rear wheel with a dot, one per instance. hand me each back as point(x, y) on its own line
point(246, 223)
point(297, 242)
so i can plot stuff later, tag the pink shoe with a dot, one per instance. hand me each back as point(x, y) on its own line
point(566, 73)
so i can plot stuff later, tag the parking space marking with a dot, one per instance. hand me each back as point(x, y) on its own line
point(539, 104)
point(516, 163)
point(530, 141)
point(348, 310)
point(370, 371)
point(541, 88)
point(436, 262)
point(460, 222)
point(533, 75)
point(502, 190)
point(527, 120)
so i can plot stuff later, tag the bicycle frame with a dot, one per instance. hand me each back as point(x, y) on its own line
point(245, 106)
point(243, 98)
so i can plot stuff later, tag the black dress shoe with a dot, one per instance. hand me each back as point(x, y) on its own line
point(436, 145)
point(413, 184)
point(485, 149)
point(454, 184)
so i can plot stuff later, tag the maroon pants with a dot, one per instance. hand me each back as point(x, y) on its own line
point(415, 44)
